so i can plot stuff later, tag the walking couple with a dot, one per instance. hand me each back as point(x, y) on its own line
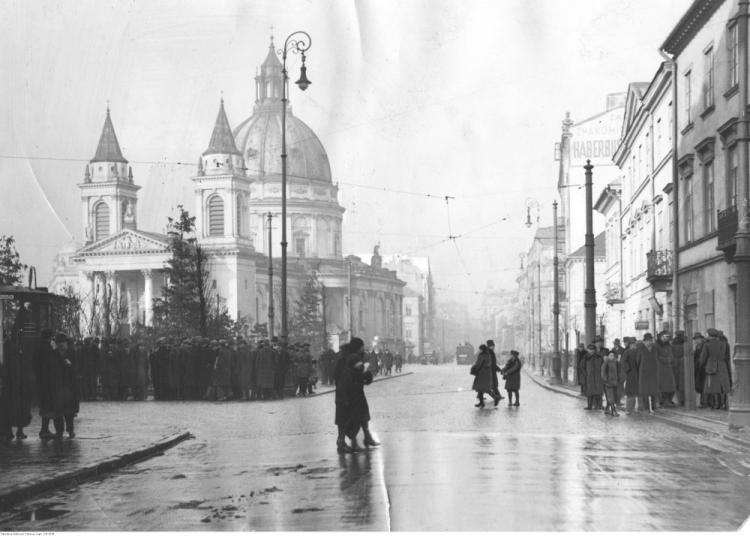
point(485, 375)
point(352, 412)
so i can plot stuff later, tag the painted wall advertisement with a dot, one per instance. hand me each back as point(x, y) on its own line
point(596, 139)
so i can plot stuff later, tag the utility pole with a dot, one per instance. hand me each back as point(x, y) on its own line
point(589, 294)
point(270, 279)
point(556, 379)
point(539, 300)
point(349, 298)
point(325, 326)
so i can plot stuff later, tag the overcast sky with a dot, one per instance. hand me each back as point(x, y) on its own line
point(461, 98)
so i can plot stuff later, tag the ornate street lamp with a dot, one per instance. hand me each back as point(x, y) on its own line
point(298, 42)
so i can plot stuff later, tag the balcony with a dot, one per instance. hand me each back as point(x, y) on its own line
point(727, 223)
point(659, 269)
point(613, 294)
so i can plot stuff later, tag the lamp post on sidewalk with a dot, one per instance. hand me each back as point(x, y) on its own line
point(589, 294)
point(556, 379)
point(297, 42)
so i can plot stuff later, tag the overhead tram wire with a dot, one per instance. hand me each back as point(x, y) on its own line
point(192, 164)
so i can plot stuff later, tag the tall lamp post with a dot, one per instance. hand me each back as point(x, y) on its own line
point(537, 356)
point(297, 42)
point(556, 378)
point(589, 293)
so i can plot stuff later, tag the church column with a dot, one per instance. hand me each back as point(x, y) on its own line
point(132, 318)
point(148, 296)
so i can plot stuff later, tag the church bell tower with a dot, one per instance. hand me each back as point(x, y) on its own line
point(109, 197)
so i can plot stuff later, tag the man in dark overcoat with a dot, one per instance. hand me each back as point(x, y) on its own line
point(648, 372)
point(665, 362)
point(630, 373)
point(678, 365)
point(714, 358)
point(699, 373)
point(266, 367)
point(493, 371)
point(15, 393)
point(619, 350)
point(483, 371)
point(352, 409)
point(512, 375)
point(63, 385)
point(581, 357)
point(594, 381)
point(44, 363)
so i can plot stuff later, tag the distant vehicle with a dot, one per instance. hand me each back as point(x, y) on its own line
point(464, 354)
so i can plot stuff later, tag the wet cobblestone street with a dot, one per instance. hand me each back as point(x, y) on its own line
point(443, 465)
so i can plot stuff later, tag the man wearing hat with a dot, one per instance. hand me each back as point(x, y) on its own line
point(700, 375)
point(494, 369)
point(648, 373)
point(618, 350)
point(678, 367)
point(714, 359)
point(594, 380)
point(630, 373)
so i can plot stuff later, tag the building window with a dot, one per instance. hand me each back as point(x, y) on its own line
point(708, 88)
point(687, 210)
point(688, 98)
point(709, 202)
point(216, 216)
point(101, 221)
point(732, 164)
point(240, 210)
point(734, 60)
point(213, 284)
point(408, 310)
point(408, 334)
point(299, 246)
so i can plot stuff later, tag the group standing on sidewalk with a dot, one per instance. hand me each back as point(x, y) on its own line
point(650, 372)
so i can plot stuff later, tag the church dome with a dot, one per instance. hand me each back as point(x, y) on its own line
point(259, 140)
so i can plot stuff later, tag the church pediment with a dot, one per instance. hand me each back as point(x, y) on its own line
point(127, 242)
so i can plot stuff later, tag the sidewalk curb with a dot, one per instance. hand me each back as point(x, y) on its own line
point(668, 420)
point(99, 468)
point(373, 381)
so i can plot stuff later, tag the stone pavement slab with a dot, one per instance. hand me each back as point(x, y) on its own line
point(109, 435)
point(105, 440)
point(700, 420)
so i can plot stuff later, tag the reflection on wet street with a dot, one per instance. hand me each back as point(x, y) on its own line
point(443, 465)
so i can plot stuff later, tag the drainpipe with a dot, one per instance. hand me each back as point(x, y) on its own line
point(689, 373)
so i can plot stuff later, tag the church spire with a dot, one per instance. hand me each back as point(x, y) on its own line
point(269, 81)
point(108, 149)
point(222, 139)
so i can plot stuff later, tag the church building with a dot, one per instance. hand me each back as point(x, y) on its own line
point(237, 196)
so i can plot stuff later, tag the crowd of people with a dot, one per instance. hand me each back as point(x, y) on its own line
point(60, 372)
point(650, 373)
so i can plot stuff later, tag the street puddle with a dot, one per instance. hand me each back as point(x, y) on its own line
point(42, 513)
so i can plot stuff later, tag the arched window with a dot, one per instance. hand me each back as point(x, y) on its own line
point(215, 216)
point(101, 221)
point(240, 215)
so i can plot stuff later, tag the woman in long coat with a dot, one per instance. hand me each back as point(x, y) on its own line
point(594, 381)
point(665, 363)
point(648, 372)
point(630, 373)
point(512, 375)
point(482, 371)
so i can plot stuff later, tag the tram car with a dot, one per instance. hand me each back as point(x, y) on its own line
point(465, 354)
